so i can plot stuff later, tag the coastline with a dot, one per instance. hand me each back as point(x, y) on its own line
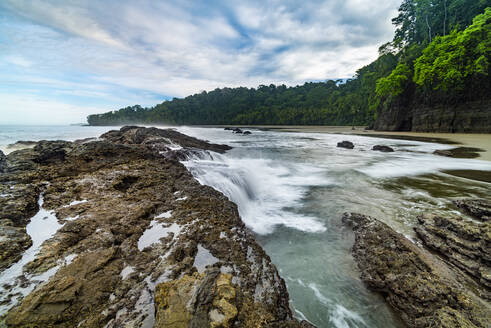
point(478, 140)
point(136, 239)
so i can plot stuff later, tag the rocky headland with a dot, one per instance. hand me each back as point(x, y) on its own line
point(440, 280)
point(116, 232)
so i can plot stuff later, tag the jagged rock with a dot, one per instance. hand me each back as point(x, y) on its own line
point(51, 151)
point(200, 300)
point(385, 149)
point(412, 281)
point(478, 208)
point(247, 132)
point(463, 243)
point(346, 144)
point(237, 130)
point(3, 162)
point(103, 265)
point(155, 136)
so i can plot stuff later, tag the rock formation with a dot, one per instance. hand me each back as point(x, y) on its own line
point(346, 144)
point(137, 241)
point(478, 208)
point(418, 286)
point(382, 148)
point(409, 115)
point(463, 243)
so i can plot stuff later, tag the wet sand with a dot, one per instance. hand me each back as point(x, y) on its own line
point(482, 141)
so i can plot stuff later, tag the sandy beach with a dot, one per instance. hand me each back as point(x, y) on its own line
point(482, 141)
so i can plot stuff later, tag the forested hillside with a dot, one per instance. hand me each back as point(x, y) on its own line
point(440, 56)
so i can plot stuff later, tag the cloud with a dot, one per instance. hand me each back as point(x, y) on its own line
point(107, 53)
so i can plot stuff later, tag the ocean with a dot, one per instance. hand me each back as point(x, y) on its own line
point(291, 189)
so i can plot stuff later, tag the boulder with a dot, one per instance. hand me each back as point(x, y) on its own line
point(237, 130)
point(382, 148)
point(346, 144)
point(247, 132)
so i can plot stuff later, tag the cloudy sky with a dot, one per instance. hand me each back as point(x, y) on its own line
point(61, 60)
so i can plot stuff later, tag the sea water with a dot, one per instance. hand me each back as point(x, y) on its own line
point(291, 190)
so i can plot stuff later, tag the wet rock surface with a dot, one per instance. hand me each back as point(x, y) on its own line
point(459, 152)
point(384, 149)
point(3, 161)
point(346, 144)
point(463, 243)
point(140, 242)
point(418, 286)
point(477, 208)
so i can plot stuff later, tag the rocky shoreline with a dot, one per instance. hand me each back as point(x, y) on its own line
point(440, 280)
point(117, 233)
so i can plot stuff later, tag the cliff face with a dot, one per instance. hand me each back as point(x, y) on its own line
point(117, 233)
point(472, 117)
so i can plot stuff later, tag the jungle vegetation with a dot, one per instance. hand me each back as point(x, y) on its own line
point(440, 53)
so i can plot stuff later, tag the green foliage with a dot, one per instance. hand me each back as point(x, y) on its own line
point(454, 62)
point(423, 63)
point(395, 83)
point(330, 102)
point(420, 21)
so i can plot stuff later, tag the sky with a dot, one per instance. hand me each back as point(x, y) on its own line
point(61, 60)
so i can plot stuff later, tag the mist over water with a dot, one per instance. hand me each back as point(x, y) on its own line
point(292, 188)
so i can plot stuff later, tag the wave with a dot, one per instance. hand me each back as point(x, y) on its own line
point(268, 194)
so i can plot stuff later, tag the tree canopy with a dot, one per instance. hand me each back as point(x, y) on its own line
point(440, 53)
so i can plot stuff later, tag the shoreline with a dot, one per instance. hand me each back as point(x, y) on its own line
point(478, 140)
point(134, 225)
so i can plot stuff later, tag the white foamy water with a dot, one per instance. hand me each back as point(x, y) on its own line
point(261, 188)
point(292, 188)
point(41, 227)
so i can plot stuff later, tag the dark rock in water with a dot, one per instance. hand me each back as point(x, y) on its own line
point(206, 270)
point(463, 243)
point(247, 132)
point(478, 208)
point(237, 130)
point(385, 149)
point(459, 152)
point(228, 129)
point(3, 161)
point(346, 144)
point(417, 285)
